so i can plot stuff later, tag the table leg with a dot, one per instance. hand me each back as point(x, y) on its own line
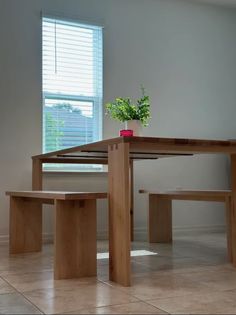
point(75, 239)
point(119, 213)
point(25, 226)
point(228, 206)
point(37, 184)
point(37, 177)
point(131, 200)
point(160, 220)
point(233, 208)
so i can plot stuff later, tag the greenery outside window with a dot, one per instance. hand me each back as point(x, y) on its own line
point(72, 86)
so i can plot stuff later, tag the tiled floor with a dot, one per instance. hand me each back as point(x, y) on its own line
point(191, 276)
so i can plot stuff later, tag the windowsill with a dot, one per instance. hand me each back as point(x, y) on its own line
point(68, 172)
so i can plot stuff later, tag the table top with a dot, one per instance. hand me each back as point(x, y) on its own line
point(140, 148)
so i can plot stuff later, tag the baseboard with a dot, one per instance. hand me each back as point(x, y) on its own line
point(203, 229)
point(48, 237)
point(140, 234)
point(4, 239)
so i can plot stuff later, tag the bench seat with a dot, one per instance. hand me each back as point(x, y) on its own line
point(160, 211)
point(57, 195)
point(197, 195)
point(75, 231)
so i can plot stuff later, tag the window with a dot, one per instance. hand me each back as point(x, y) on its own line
point(72, 84)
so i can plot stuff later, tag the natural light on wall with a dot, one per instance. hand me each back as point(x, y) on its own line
point(134, 253)
point(72, 86)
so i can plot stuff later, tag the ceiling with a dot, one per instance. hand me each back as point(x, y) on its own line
point(229, 3)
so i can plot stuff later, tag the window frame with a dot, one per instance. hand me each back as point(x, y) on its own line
point(97, 99)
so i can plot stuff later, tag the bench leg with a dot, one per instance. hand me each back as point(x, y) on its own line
point(25, 225)
point(160, 220)
point(228, 206)
point(75, 239)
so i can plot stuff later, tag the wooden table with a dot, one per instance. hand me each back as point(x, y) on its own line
point(118, 152)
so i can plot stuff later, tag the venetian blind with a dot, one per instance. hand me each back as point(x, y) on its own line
point(72, 83)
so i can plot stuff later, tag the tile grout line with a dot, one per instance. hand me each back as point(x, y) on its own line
point(100, 281)
point(22, 294)
point(149, 300)
point(160, 309)
point(120, 290)
point(111, 305)
point(165, 312)
point(139, 300)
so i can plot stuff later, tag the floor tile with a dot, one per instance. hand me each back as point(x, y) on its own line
point(221, 280)
point(208, 303)
point(24, 263)
point(131, 308)
point(158, 263)
point(43, 280)
point(191, 275)
point(16, 304)
point(151, 286)
point(137, 270)
point(5, 287)
point(189, 270)
point(66, 299)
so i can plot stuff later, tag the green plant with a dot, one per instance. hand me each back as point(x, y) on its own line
point(122, 109)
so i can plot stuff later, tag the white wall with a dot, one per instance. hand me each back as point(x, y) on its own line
point(182, 52)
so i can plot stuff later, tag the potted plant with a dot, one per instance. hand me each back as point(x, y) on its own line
point(135, 115)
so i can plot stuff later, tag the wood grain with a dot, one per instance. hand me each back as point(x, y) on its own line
point(228, 214)
point(159, 220)
point(233, 207)
point(196, 195)
point(59, 195)
point(160, 212)
point(119, 214)
point(75, 160)
point(118, 177)
point(153, 144)
point(131, 200)
point(37, 174)
point(25, 226)
point(75, 239)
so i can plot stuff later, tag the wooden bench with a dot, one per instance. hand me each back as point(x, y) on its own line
point(160, 211)
point(75, 228)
